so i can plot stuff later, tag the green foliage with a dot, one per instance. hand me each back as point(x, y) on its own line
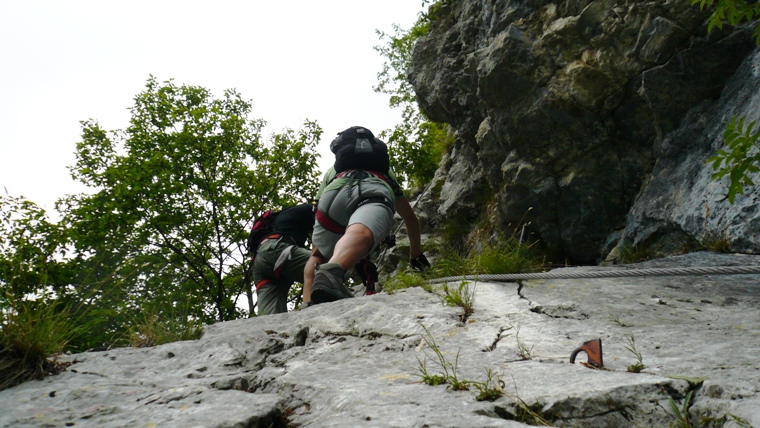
point(416, 145)
point(403, 280)
point(449, 376)
point(681, 415)
point(152, 328)
point(631, 347)
point(716, 244)
point(31, 332)
point(523, 351)
point(635, 253)
point(29, 246)
point(506, 255)
point(740, 156)
point(462, 296)
point(502, 255)
point(490, 390)
point(732, 12)
point(175, 193)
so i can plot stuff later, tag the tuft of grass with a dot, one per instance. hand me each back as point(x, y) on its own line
point(681, 415)
point(616, 319)
point(448, 262)
point(497, 256)
point(31, 334)
point(449, 375)
point(716, 244)
point(528, 414)
point(635, 254)
point(523, 351)
point(463, 296)
point(151, 329)
point(492, 389)
point(631, 347)
point(427, 378)
point(507, 255)
point(404, 280)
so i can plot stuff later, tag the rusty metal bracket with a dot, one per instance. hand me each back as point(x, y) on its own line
point(593, 349)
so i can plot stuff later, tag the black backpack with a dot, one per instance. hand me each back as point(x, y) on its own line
point(357, 148)
point(262, 227)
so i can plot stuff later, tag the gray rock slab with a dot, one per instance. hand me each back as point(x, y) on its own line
point(358, 362)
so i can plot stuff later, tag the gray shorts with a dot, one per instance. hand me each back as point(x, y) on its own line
point(345, 208)
point(289, 261)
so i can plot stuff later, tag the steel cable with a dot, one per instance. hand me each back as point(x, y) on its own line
point(617, 273)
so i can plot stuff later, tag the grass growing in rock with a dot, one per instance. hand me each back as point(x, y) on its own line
point(31, 333)
point(404, 280)
point(462, 296)
point(151, 329)
point(638, 366)
point(492, 388)
point(449, 376)
point(523, 351)
point(503, 256)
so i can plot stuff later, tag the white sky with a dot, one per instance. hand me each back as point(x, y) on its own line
point(66, 61)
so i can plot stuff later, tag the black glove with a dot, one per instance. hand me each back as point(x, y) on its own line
point(368, 273)
point(420, 263)
point(390, 241)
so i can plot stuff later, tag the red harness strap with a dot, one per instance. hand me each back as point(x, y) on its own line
point(262, 283)
point(329, 224)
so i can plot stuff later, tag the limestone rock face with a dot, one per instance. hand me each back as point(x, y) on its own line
point(359, 362)
point(576, 116)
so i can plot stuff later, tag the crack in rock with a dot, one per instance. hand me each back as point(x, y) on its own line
point(498, 338)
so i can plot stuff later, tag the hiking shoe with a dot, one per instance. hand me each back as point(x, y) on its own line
point(328, 284)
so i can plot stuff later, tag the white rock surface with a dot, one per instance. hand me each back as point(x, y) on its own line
point(356, 362)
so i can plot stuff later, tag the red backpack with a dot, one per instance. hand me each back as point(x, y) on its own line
point(262, 227)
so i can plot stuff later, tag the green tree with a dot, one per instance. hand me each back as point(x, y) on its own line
point(174, 195)
point(732, 12)
point(417, 144)
point(741, 154)
point(29, 251)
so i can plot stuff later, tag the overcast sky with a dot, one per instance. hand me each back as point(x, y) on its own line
point(66, 61)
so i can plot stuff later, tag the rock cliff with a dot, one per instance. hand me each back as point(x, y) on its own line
point(357, 362)
point(591, 121)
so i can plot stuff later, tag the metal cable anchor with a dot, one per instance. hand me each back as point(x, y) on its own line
point(593, 349)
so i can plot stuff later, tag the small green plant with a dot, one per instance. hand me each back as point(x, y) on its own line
point(151, 329)
point(616, 319)
point(732, 12)
point(523, 351)
point(717, 245)
point(631, 347)
point(449, 375)
point(740, 157)
point(404, 280)
point(463, 296)
point(525, 413)
point(506, 255)
point(449, 262)
point(490, 390)
point(635, 254)
point(427, 378)
point(31, 333)
point(681, 415)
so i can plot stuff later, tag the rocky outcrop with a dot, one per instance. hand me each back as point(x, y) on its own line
point(357, 362)
point(588, 120)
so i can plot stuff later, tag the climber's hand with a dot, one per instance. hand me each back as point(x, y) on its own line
point(420, 263)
